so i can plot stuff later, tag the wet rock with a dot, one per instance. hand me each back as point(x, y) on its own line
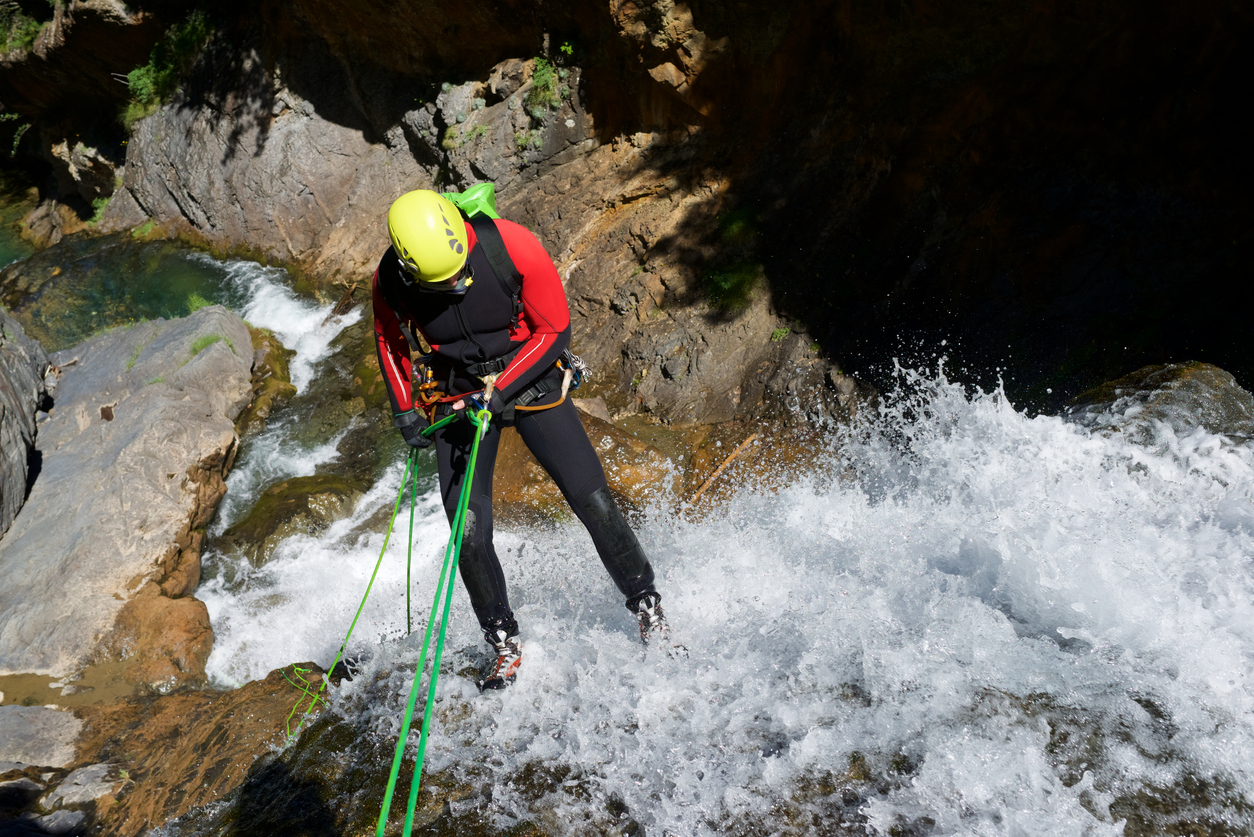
point(60, 822)
point(593, 407)
point(17, 794)
point(133, 460)
point(166, 641)
point(22, 366)
point(297, 506)
point(271, 380)
point(37, 735)
point(1183, 396)
point(87, 784)
point(189, 749)
point(639, 474)
point(51, 221)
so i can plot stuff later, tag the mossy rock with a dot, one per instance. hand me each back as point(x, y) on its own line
point(297, 506)
point(271, 380)
point(1184, 396)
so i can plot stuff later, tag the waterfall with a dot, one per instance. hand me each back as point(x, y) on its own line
point(985, 623)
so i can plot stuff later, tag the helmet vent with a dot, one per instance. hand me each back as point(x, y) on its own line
point(453, 243)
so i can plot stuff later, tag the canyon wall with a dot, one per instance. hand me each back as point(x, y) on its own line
point(744, 200)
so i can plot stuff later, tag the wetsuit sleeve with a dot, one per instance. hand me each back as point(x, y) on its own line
point(545, 314)
point(393, 350)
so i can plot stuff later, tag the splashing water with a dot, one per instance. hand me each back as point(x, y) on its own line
point(264, 299)
point(977, 623)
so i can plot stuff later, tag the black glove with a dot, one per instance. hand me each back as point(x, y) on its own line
point(408, 423)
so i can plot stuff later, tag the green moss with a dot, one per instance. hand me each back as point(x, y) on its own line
point(206, 340)
point(731, 288)
point(779, 334)
point(738, 226)
point(142, 231)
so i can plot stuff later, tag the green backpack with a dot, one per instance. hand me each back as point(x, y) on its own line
point(479, 201)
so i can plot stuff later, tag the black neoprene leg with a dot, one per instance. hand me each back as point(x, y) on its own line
point(480, 567)
point(557, 440)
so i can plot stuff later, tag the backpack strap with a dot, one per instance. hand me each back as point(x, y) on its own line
point(507, 274)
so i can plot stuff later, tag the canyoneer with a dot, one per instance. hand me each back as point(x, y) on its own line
point(487, 299)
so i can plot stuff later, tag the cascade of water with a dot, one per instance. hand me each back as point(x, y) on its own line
point(971, 623)
point(261, 296)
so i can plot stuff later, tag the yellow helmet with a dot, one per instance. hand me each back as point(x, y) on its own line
point(428, 235)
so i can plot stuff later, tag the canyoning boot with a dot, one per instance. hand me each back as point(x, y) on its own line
point(655, 631)
point(504, 641)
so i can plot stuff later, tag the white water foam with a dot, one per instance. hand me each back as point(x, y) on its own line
point(263, 297)
point(266, 301)
point(992, 625)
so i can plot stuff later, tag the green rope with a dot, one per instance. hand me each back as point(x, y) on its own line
point(448, 573)
point(304, 687)
point(411, 462)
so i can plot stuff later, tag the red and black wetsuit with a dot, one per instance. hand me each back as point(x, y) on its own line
point(482, 325)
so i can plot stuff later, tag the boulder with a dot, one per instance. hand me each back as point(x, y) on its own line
point(86, 784)
point(36, 735)
point(1184, 396)
point(140, 436)
point(22, 366)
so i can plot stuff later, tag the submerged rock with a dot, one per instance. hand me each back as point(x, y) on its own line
point(148, 759)
point(297, 506)
point(22, 366)
point(100, 563)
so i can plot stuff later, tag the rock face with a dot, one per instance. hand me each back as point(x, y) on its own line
point(22, 366)
point(879, 169)
point(100, 564)
point(303, 187)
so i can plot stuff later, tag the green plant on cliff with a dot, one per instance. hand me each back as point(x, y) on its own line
point(19, 28)
point(731, 288)
point(543, 92)
point(98, 207)
point(167, 66)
